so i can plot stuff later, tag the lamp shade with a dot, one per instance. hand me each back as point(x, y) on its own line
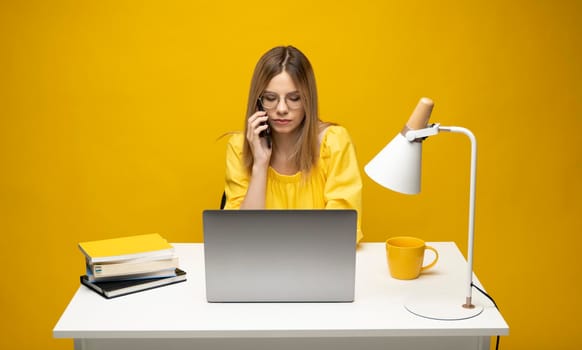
point(397, 166)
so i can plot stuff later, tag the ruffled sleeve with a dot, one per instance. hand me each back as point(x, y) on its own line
point(343, 186)
point(237, 178)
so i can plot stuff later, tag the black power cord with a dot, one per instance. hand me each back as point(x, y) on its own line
point(494, 304)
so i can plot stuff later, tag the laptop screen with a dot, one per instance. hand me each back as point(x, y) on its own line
point(280, 255)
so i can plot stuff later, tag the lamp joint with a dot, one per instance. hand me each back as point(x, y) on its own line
point(420, 135)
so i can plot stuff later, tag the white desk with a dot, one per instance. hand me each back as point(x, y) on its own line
point(178, 316)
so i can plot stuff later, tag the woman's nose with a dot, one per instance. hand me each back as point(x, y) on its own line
point(282, 107)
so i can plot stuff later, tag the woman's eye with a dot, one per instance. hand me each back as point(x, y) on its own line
point(270, 98)
point(293, 98)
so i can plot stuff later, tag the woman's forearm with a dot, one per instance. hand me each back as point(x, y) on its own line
point(255, 197)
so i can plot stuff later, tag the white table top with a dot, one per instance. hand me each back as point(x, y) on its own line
point(181, 310)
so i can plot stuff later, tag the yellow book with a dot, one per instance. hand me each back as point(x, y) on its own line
point(125, 248)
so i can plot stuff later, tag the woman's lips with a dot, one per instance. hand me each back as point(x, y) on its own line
point(281, 121)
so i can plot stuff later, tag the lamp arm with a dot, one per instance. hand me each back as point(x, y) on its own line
point(421, 134)
point(468, 133)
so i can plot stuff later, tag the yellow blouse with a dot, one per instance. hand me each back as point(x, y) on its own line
point(334, 183)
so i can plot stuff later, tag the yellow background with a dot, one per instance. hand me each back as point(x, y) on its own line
point(110, 110)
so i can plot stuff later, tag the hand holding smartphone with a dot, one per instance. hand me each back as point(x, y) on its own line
point(267, 132)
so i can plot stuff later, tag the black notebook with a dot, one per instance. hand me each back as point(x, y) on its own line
point(113, 289)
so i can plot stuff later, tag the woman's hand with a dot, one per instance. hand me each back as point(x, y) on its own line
point(259, 147)
point(256, 191)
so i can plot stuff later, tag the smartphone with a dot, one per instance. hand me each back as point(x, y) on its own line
point(267, 132)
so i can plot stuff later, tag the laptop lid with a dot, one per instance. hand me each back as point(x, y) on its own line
point(280, 255)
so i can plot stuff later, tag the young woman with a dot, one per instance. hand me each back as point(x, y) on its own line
point(288, 158)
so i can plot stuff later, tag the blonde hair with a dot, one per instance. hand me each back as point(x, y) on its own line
point(295, 63)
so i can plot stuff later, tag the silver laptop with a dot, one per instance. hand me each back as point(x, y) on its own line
point(280, 255)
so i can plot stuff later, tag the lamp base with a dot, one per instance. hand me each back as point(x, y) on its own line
point(447, 310)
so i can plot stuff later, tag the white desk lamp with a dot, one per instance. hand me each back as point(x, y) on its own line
point(397, 167)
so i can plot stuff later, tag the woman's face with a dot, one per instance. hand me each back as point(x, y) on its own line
point(283, 104)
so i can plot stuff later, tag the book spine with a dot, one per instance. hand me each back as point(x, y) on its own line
point(157, 254)
point(108, 270)
point(87, 283)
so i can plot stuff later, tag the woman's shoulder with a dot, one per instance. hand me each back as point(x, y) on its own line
point(235, 143)
point(235, 139)
point(334, 136)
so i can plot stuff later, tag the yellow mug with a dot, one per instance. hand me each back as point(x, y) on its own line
point(405, 256)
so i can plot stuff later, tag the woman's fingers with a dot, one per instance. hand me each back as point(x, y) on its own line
point(260, 148)
point(256, 123)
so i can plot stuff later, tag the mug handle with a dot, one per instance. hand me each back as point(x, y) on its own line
point(434, 261)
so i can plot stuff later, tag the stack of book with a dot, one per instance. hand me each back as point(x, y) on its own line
point(130, 264)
